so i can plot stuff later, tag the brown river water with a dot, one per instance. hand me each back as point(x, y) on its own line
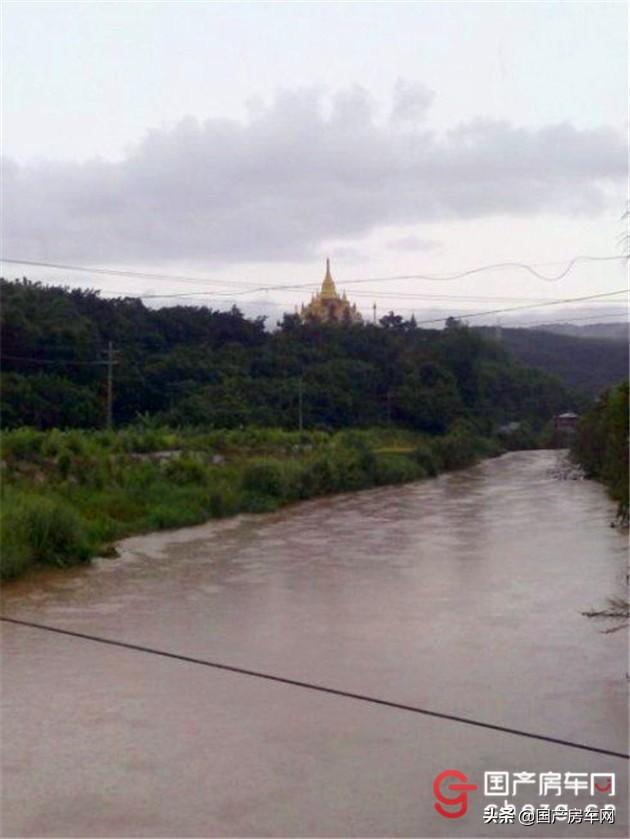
point(460, 594)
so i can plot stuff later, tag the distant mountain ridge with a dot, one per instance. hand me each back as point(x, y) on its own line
point(586, 364)
point(617, 331)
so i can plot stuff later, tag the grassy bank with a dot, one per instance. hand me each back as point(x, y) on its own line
point(67, 496)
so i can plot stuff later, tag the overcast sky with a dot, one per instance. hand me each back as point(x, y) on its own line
point(244, 142)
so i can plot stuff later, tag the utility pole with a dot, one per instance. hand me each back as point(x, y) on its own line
point(374, 313)
point(109, 362)
point(300, 404)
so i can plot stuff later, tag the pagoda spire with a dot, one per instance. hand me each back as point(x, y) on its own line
point(328, 306)
point(328, 286)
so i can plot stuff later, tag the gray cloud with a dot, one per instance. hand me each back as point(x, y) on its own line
point(347, 255)
point(300, 170)
point(413, 243)
point(412, 100)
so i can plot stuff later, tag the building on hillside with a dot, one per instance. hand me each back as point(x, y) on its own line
point(566, 423)
point(327, 306)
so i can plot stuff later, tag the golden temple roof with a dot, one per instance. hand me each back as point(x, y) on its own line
point(328, 292)
point(328, 306)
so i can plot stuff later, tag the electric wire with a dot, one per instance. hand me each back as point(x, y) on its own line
point(313, 686)
point(555, 302)
point(470, 272)
point(50, 360)
point(140, 275)
point(528, 306)
point(573, 320)
point(530, 268)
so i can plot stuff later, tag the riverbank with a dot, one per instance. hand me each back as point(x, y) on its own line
point(68, 496)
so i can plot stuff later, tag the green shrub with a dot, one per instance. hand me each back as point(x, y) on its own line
point(455, 450)
point(64, 464)
point(53, 443)
point(264, 478)
point(77, 442)
point(15, 556)
point(426, 460)
point(103, 529)
point(186, 470)
point(22, 443)
point(397, 469)
point(119, 504)
point(136, 477)
point(224, 501)
point(181, 507)
point(89, 471)
point(54, 531)
point(353, 469)
point(316, 477)
point(167, 517)
point(44, 531)
point(255, 502)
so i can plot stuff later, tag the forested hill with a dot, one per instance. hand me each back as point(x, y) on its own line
point(606, 331)
point(194, 366)
point(588, 365)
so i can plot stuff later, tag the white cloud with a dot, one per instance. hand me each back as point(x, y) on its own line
point(300, 171)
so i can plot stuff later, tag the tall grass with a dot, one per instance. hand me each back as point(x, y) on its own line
point(37, 530)
point(66, 495)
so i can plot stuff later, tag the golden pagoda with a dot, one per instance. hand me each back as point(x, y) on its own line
point(328, 307)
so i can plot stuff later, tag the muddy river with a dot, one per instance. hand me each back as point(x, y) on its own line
point(461, 594)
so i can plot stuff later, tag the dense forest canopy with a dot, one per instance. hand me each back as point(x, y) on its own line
point(194, 366)
point(601, 444)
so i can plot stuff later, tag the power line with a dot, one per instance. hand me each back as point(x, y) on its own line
point(460, 275)
point(472, 298)
point(399, 706)
point(450, 277)
point(217, 294)
point(109, 361)
point(48, 360)
point(463, 298)
point(528, 306)
point(595, 299)
point(572, 320)
point(251, 288)
point(549, 302)
point(447, 312)
point(140, 275)
point(430, 277)
point(541, 303)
